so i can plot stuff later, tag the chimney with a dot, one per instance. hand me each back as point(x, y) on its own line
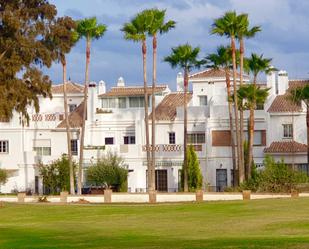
point(271, 82)
point(283, 82)
point(92, 101)
point(179, 82)
point(101, 87)
point(120, 82)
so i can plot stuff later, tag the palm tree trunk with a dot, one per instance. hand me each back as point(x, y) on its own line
point(307, 123)
point(82, 135)
point(230, 108)
point(241, 172)
point(251, 136)
point(238, 141)
point(67, 124)
point(149, 168)
point(153, 104)
point(185, 124)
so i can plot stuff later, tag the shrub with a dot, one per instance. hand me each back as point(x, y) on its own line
point(195, 177)
point(3, 176)
point(276, 177)
point(108, 172)
point(56, 176)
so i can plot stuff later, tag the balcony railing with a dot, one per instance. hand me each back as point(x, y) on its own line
point(171, 147)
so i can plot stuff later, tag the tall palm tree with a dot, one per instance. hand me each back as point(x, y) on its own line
point(228, 26)
point(186, 58)
point(223, 59)
point(158, 25)
point(243, 31)
point(63, 38)
point(136, 31)
point(89, 29)
point(254, 65)
point(251, 95)
point(298, 95)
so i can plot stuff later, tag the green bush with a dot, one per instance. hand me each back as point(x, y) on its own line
point(108, 172)
point(276, 177)
point(56, 176)
point(195, 177)
point(3, 176)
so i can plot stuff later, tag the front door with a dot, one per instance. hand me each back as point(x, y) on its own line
point(221, 179)
point(161, 180)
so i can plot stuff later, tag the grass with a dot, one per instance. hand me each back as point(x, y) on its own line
point(280, 223)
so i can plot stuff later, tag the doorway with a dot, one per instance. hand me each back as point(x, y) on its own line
point(221, 179)
point(161, 180)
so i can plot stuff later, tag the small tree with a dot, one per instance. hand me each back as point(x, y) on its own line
point(195, 177)
point(56, 176)
point(3, 176)
point(108, 172)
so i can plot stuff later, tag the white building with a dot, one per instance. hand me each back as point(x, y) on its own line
point(115, 122)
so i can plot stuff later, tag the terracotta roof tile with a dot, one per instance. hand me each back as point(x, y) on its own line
point(132, 91)
point(75, 118)
point(282, 103)
point(71, 88)
point(286, 147)
point(166, 110)
point(212, 73)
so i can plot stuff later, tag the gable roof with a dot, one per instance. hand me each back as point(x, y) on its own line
point(132, 91)
point(71, 88)
point(282, 103)
point(166, 109)
point(212, 73)
point(286, 147)
point(75, 118)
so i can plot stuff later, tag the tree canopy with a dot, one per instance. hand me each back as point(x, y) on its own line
point(27, 43)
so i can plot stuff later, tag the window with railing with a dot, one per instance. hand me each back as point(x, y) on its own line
point(287, 131)
point(4, 146)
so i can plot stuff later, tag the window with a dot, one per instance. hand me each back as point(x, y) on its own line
point(72, 107)
point(257, 137)
point(4, 146)
point(108, 103)
point(303, 168)
point(135, 102)
point(287, 130)
point(203, 100)
point(171, 138)
point(74, 147)
point(129, 139)
point(259, 106)
point(42, 151)
point(109, 140)
point(122, 102)
point(196, 138)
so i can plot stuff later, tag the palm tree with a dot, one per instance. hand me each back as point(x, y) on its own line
point(250, 96)
point(254, 65)
point(223, 59)
point(89, 29)
point(243, 32)
point(185, 57)
point(158, 25)
point(136, 31)
point(298, 95)
point(64, 37)
point(228, 26)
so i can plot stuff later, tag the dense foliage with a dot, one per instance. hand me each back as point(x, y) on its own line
point(276, 177)
point(108, 172)
point(27, 43)
point(195, 177)
point(56, 176)
point(3, 176)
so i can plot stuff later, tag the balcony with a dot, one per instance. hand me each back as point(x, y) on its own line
point(171, 148)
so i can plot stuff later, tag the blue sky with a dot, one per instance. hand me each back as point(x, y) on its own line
point(285, 36)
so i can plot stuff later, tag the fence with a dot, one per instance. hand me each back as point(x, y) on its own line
point(151, 197)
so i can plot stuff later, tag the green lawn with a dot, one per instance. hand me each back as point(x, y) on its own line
point(237, 224)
